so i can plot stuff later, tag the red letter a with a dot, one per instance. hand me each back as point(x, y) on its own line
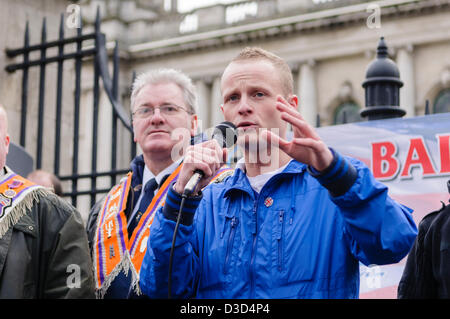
point(444, 151)
point(417, 155)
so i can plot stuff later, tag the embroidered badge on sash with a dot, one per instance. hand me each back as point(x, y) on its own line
point(5, 202)
point(14, 191)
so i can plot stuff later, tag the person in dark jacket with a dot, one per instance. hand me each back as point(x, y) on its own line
point(293, 221)
point(44, 251)
point(427, 270)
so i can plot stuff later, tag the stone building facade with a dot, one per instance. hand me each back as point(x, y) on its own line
point(328, 44)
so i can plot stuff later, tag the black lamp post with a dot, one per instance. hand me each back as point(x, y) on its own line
point(382, 87)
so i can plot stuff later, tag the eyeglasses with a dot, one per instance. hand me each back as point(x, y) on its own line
point(167, 109)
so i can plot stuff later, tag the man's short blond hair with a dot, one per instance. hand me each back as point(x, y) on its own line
point(285, 73)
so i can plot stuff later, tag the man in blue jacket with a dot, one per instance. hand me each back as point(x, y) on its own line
point(293, 221)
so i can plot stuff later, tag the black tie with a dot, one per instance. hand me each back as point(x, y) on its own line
point(149, 192)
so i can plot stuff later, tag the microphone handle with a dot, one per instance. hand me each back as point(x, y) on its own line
point(193, 181)
point(198, 174)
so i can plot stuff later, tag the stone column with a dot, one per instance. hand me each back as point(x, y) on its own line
point(307, 92)
point(203, 101)
point(405, 65)
point(216, 102)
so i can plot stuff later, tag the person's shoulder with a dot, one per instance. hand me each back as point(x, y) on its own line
point(220, 184)
point(441, 219)
point(223, 176)
point(217, 186)
point(430, 218)
point(48, 198)
point(445, 210)
point(49, 203)
point(96, 208)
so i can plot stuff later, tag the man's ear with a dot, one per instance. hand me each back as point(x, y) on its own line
point(293, 100)
point(7, 144)
point(194, 124)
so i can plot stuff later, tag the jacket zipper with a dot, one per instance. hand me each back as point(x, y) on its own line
point(252, 259)
point(233, 224)
point(280, 240)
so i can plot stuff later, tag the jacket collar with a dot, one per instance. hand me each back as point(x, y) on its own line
point(239, 181)
point(137, 167)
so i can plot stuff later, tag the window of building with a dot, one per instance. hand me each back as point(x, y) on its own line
point(189, 23)
point(240, 12)
point(347, 112)
point(184, 6)
point(442, 102)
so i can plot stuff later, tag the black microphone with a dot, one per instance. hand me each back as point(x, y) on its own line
point(225, 135)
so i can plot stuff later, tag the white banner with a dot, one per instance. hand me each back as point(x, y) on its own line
point(412, 157)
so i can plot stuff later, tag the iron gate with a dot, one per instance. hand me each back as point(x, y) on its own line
point(100, 63)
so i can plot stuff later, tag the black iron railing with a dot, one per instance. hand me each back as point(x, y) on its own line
point(110, 85)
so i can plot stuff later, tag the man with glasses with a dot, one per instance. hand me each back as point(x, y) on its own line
point(163, 106)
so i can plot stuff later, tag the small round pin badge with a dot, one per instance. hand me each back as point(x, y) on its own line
point(268, 201)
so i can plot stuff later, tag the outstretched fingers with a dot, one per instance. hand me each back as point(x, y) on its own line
point(275, 140)
point(291, 115)
point(308, 142)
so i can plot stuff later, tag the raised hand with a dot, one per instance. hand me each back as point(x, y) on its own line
point(306, 146)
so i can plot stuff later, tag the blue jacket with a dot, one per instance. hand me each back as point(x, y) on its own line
point(300, 237)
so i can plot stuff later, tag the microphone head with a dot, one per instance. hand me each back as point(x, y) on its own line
point(225, 134)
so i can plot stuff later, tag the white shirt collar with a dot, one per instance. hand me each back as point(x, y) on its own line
point(257, 182)
point(241, 165)
point(148, 175)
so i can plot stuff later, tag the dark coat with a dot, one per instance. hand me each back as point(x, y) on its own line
point(45, 254)
point(427, 270)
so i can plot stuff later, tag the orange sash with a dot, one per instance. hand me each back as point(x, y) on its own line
point(110, 252)
point(113, 251)
point(14, 200)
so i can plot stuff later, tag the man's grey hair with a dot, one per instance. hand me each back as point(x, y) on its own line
point(163, 75)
